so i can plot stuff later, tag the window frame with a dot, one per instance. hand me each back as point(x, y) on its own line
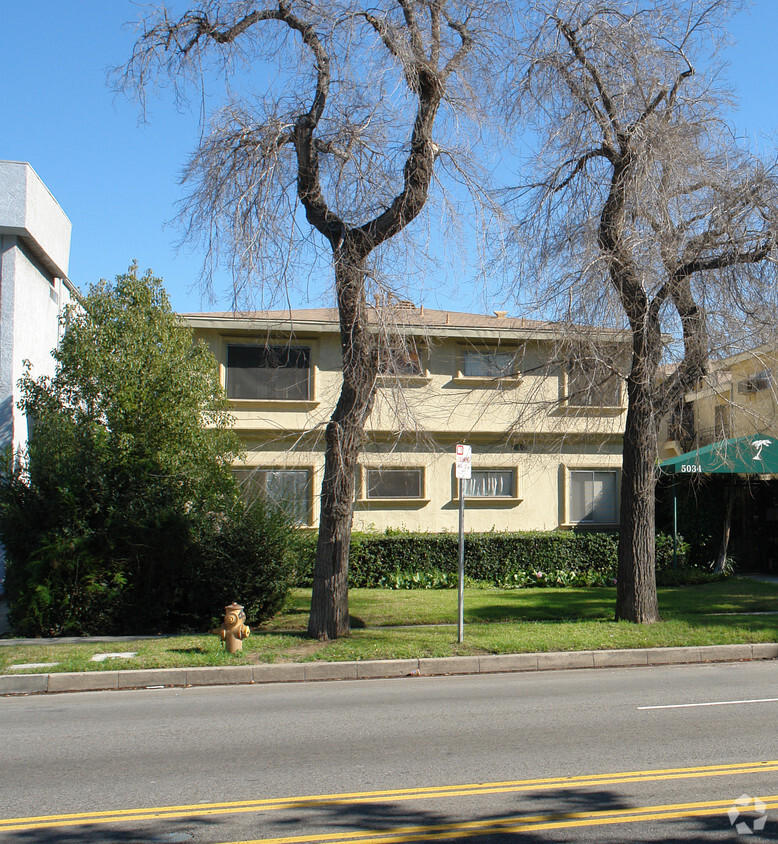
point(309, 519)
point(489, 500)
point(389, 501)
point(498, 381)
point(757, 382)
point(589, 409)
point(273, 341)
point(420, 349)
point(567, 472)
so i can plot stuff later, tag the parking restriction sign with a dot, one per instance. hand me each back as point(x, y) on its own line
point(464, 464)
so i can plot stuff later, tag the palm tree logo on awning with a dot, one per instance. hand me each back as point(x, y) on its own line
point(759, 445)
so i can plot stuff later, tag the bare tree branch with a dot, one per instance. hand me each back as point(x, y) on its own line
point(672, 235)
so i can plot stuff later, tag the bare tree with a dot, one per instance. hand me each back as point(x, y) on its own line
point(345, 133)
point(645, 213)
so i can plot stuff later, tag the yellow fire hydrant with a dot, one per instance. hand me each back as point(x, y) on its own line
point(233, 631)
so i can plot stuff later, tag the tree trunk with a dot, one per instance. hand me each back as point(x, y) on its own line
point(329, 618)
point(636, 586)
point(729, 502)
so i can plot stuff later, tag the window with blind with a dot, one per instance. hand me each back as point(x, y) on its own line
point(593, 496)
point(289, 489)
point(488, 363)
point(268, 372)
point(491, 483)
point(393, 483)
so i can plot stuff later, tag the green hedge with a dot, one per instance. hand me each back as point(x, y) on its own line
point(429, 560)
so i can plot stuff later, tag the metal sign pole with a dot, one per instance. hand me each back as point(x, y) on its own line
point(461, 625)
point(463, 472)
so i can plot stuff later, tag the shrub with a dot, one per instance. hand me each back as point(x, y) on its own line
point(403, 560)
point(250, 562)
point(125, 516)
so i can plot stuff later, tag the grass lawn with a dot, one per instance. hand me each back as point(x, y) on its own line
point(390, 624)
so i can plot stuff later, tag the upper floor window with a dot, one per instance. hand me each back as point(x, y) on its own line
point(393, 483)
point(755, 383)
point(593, 496)
point(488, 363)
point(268, 372)
point(403, 362)
point(592, 383)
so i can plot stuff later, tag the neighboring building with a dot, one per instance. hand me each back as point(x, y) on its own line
point(546, 439)
point(34, 289)
point(736, 399)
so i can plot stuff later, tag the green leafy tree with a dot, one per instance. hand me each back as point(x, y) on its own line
point(124, 503)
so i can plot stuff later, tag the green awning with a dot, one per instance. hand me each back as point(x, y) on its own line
point(754, 455)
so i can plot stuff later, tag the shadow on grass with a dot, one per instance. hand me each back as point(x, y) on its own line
point(549, 607)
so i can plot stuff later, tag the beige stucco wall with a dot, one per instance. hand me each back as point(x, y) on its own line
point(748, 412)
point(542, 502)
point(416, 422)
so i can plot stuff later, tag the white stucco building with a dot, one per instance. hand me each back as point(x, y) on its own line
point(34, 288)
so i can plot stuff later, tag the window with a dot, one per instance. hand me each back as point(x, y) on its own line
point(491, 483)
point(488, 363)
point(591, 383)
point(393, 483)
point(268, 372)
point(290, 489)
point(681, 424)
point(593, 496)
point(722, 416)
point(757, 382)
point(402, 362)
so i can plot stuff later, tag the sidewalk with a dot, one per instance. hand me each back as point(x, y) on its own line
point(301, 672)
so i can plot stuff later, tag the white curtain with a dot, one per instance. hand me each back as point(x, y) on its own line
point(490, 483)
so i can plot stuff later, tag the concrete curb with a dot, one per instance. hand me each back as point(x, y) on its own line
point(301, 672)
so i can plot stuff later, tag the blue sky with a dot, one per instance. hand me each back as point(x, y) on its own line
point(118, 181)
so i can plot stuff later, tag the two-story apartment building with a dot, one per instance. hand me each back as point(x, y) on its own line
point(546, 437)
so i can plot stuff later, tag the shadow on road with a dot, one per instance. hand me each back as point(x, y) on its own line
point(407, 822)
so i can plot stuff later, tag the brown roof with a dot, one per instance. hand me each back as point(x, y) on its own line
point(402, 314)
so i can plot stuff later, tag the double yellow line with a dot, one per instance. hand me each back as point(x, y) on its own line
point(118, 816)
point(524, 823)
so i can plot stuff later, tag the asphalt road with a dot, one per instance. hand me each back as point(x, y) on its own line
point(553, 756)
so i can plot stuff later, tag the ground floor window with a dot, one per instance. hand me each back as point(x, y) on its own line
point(289, 489)
point(593, 496)
point(393, 483)
point(491, 483)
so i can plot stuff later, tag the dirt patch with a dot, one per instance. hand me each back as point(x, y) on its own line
point(294, 653)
